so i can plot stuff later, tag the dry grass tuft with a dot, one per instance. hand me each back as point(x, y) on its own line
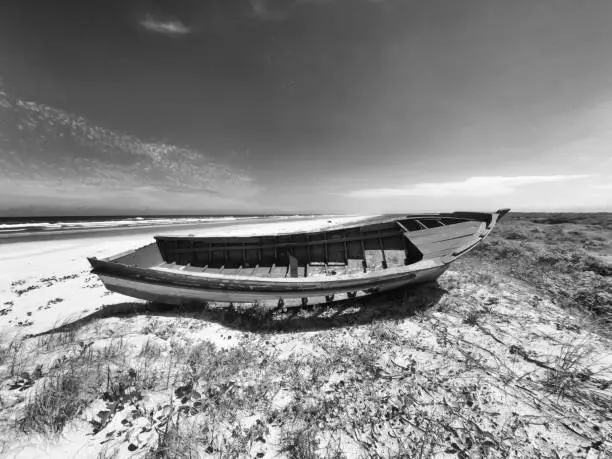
point(55, 402)
point(572, 376)
point(300, 444)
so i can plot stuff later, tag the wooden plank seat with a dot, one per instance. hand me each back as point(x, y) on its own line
point(279, 271)
point(355, 266)
point(336, 270)
point(395, 257)
point(317, 270)
point(375, 259)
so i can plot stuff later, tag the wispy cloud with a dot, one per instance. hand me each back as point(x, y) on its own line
point(173, 27)
point(49, 152)
point(472, 186)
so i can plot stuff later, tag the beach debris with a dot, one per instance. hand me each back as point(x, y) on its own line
point(51, 303)
point(22, 382)
point(49, 281)
point(21, 291)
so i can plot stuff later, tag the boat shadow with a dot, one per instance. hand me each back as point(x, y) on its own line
point(388, 306)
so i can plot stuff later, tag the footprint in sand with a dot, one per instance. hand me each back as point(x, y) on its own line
point(49, 281)
point(28, 289)
point(21, 291)
point(9, 307)
point(51, 303)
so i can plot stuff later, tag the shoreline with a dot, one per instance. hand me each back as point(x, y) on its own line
point(51, 235)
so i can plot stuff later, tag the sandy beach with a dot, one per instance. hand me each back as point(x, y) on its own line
point(483, 362)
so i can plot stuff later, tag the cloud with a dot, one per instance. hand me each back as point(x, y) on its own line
point(473, 186)
point(173, 28)
point(47, 152)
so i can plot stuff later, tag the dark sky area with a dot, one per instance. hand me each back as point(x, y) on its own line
point(342, 105)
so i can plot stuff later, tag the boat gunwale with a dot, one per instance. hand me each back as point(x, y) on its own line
point(367, 221)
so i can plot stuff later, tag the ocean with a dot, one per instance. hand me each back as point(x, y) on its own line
point(61, 224)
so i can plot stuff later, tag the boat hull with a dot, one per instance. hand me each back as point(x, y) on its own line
point(294, 269)
point(183, 295)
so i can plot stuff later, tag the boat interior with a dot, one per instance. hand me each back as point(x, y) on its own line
point(357, 249)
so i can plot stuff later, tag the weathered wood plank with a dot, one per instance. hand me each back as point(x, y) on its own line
point(325, 247)
point(395, 257)
point(444, 231)
point(382, 251)
point(279, 271)
point(426, 245)
point(317, 270)
point(312, 243)
point(374, 259)
point(210, 239)
point(336, 270)
point(373, 254)
point(443, 245)
point(377, 227)
point(363, 252)
point(354, 266)
point(439, 253)
point(293, 266)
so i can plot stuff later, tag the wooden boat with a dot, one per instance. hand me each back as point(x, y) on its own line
point(344, 261)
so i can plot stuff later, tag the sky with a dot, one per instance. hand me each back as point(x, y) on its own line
point(344, 106)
